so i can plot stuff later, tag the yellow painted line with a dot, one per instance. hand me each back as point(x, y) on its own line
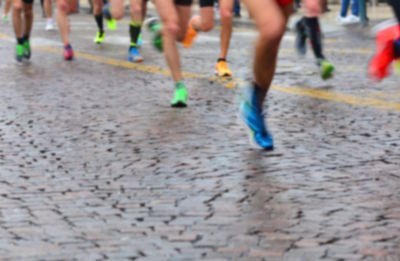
point(301, 91)
point(231, 83)
point(340, 97)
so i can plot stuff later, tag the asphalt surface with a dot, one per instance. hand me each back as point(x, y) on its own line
point(95, 165)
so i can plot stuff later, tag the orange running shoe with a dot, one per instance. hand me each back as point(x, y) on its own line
point(385, 53)
point(191, 34)
point(221, 69)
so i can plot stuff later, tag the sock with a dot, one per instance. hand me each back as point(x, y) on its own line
point(221, 59)
point(25, 37)
point(179, 84)
point(20, 40)
point(99, 22)
point(258, 96)
point(134, 31)
point(314, 33)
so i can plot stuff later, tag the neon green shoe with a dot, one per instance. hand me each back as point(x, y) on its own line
point(111, 24)
point(19, 52)
point(154, 26)
point(326, 69)
point(180, 96)
point(99, 39)
point(5, 19)
point(27, 49)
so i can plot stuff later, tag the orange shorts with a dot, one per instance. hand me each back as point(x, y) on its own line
point(284, 2)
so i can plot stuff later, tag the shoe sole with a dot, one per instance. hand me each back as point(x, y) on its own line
point(179, 105)
point(223, 75)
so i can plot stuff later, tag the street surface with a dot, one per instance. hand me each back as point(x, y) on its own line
point(95, 165)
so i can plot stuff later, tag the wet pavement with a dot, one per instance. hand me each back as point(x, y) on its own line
point(95, 165)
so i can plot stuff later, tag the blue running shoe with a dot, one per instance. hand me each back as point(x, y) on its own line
point(254, 119)
point(134, 55)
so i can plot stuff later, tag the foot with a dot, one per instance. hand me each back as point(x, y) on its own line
point(254, 119)
point(27, 49)
point(222, 70)
point(387, 47)
point(326, 69)
point(191, 34)
point(301, 37)
point(134, 55)
point(341, 19)
point(110, 21)
point(180, 96)
point(154, 26)
point(99, 39)
point(49, 25)
point(68, 53)
point(19, 52)
point(352, 19)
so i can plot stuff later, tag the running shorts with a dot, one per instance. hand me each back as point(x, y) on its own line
point(284, 2)
point(203, 3)
point(27, 1)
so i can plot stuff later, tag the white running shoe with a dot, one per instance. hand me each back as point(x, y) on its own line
point(340, 19)
point(49, 25)
point(352, 19)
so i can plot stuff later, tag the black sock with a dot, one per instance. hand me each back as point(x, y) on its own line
point(134, 31)
point(314, 33)
point(20, 40)
point(259, 95)
point(396, 8)
point(25, 37)
point(99, 22)
point(221, 59)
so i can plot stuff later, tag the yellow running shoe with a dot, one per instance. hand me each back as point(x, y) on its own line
point(221, 69)
point(189, 37)
point(99, 39)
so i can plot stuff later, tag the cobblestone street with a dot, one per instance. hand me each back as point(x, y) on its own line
point(95, 165)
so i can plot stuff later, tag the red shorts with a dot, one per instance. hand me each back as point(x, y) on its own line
point(284, 2)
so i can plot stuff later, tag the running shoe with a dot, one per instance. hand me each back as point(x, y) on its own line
point(111, 22)
point(5, 19)
point(68, 53)
point(326, 69)
point(153, 24)
point(222, 70)
point(191, 34)
point(386, 49)
point(134, 55)
point(49, 25)
point(27, 49)
point(301, 37)
point(180, 96)
point(99, 39)
point(253, 117)
point(19, 52)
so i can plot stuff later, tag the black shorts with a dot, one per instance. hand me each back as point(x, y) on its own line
point(27, 1)
point(203, 3)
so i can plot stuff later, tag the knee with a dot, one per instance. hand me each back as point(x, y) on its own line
point(207, 25)
point(117, 13)
point(225, 15)
point(28, 11)
point(17, 6)
point(62, 6)
point(273, 33)
point(171, 29)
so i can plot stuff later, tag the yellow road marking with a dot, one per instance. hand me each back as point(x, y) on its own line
point(230, 83)
point(301, 91)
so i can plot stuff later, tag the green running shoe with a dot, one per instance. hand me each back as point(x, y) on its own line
point(5, 19)
point(326, 69)
point(180, 96)
point(27, 49)
point(154, 26)
point(111, 24)
point(99, 39)
point(19, 52)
